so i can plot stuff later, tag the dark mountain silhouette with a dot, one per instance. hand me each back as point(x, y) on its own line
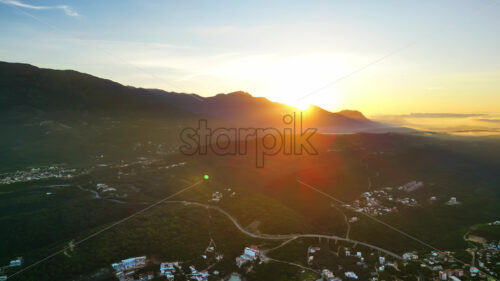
point(242, 108)
point(27, 91)
point(39, 90)
point(353, 114)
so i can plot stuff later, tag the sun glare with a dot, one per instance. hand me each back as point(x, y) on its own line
point(291, 79)
point(302, 106)
point(293, 82)
point(330, 99)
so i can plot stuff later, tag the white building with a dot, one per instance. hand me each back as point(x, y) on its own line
point(350, 274)
point(16, 262)
point(327, 274)
point(168, 269)
point(250, 254)
point(129, 264)
point(474, 271)
point(381, 260)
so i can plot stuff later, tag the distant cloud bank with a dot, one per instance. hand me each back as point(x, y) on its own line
point(66, 9)
point(442, 115)
point(467, 124)
point(489, 120)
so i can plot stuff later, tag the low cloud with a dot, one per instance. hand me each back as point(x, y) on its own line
point(443, 115)
point(66, 9)
point(489, 120)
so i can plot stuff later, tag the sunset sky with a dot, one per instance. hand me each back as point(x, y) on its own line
point(392, 57)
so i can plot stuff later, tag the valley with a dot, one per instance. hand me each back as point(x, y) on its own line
point(95, 190)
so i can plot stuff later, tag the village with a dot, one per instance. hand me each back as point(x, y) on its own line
point(133, 269)
point(382, 201)
point(488, 257)
point(362, 263)
point(388, 199)
point(42, 173)
point(442, 264)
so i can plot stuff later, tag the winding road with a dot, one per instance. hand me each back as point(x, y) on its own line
point(285, 236)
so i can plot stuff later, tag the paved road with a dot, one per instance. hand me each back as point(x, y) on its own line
point(346, 221)
point(285, 236)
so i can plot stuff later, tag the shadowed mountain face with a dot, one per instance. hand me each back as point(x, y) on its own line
point(243, 109)
point(38, 91)
point(29, 91)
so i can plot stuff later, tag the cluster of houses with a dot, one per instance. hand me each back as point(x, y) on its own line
point(489, 256)
point(156, 148)
point(174, 165)
point(436, 260)
point(142, 162)
point(329, 276)
point(380, 266)
point(217, 195)
point(198, 275)
point(168, 269)
point(13, 263)
point(451, 274)
point(407, 201)
point(250, 255)
point(451, 201)
point(410, 256)
point(16, 262)
point(347, 252)
point(130, 270)
point(375, 202)
point(370, 204)
point(37, 174)
point(126, 269)
point(310, 253)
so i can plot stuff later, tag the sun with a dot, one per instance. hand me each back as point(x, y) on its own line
point(302, 106)
point(295, 82)
point(331, 100)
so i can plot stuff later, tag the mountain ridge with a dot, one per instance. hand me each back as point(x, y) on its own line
point(34, 90)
